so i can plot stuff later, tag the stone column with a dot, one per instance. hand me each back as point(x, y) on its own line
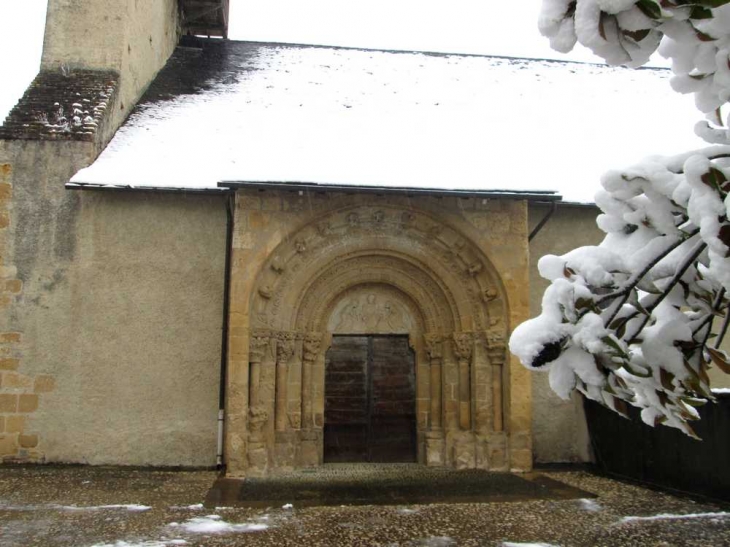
point(311, 345)
point(258, 459)
point(435, 355)
point(310, 439)
point(463, 351)
point(496, 353)
point(435, 435)
point(285, 345)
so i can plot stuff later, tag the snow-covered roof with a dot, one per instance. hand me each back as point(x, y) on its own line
point(242, 111)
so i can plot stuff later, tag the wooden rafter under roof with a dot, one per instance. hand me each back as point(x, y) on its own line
point(205, 17)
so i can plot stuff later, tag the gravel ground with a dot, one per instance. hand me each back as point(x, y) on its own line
point(70, 506)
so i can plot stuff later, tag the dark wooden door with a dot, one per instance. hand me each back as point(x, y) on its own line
point(370, 400)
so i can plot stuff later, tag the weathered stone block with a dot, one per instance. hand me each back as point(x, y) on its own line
point(8, 402)
point(14, 424)
point(27, 403)
point(14, 380)
point(13, 286)
point(28, 441)
point(8, 445)
point(9, 337)
point(9, 364)
point(520, 460)
point(44, 383)
point(2, 424)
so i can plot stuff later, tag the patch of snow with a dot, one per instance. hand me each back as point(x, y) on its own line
point(517, 544)
point(127, 507)
point(402, 119)
point(436, 541)
point(194, 507)
point(147, 543)
point(287, 506)
point(721, 390)
point(589, 504)
point(669, 516)
point(214, 524)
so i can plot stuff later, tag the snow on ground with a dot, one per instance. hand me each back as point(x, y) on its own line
point(164, 543)
point(669, 516)
point(363, 117)
point(57, 507)
point(589, 504)
point(214, 524)
point(515, 544)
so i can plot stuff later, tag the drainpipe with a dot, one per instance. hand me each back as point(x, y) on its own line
point(230, 203)
point(541, 224)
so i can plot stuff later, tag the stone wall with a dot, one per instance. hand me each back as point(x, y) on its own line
point(559, 428)
point(112, 307)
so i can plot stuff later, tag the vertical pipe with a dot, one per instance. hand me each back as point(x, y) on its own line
point(230, 201)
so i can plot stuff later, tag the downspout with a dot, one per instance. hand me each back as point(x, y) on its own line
point(541, 224)
point(230, 204)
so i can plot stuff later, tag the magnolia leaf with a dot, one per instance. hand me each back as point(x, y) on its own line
point(651, 9)
point(568, 272)
point(700, 12)
point(711, 3)
point(693, 401)
point(620, 406)
point(636, 35)
point(720, 359)
point(659, 420)
point(666, 378)
point(613, 344)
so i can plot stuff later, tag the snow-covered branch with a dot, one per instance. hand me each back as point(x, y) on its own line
point(628, 321)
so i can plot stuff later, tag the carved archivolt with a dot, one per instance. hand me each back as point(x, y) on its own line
point(453, 285)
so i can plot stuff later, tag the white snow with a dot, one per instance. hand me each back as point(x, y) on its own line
point(669, 516)
point(193, 507)
point(362, 117)
point(287, 506)
point(517, 544)
point(57, 507)
point(589, 504)
point(214, 524)
point(146, 543)
point(721, 390)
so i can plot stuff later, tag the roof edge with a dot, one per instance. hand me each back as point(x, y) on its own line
point(529, 195)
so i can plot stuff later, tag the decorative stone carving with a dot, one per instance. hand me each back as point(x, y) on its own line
point(266, 292)
point(259, 344)
point(371, 310)
point(462, 345)
point(433, 346)
point(300, 246)
point(324, 228)
point(285, 346)
point(353, 219)
point(258, 416)
point(277, 265)
point(378, 217)
point(312, 342)
point(489, 294)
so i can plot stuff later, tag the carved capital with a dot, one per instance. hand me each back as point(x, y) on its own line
point(495, 338)
point(433, 346)
point(462, 345)
point(285, 345)
point(258, 417)
point(312, 342)
point(258, 345)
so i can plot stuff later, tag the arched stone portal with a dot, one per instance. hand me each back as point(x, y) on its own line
point(363, 266)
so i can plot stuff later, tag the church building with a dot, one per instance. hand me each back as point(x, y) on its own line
point(211, 254)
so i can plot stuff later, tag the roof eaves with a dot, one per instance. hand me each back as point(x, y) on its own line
point(530, 195)
point(157, 189)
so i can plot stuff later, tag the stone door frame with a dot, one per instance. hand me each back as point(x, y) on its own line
point(280, 308)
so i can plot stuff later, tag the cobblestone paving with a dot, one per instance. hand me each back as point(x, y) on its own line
point(85, 506)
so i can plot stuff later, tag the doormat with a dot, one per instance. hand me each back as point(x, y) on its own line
point(386, 484)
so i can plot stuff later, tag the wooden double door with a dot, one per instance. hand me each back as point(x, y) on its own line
point(370, 400)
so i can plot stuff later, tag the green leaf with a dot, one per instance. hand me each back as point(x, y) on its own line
point(666, 378)
point(711, 3)
point(636, 35)
point(700, 12)
point(613, 344)
point(720, 359)
point(651, 9)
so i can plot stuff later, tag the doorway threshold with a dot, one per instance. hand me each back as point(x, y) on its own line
point(386, 484)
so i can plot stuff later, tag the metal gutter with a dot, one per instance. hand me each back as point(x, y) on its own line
point(153, 189)
point(230, 207)
point(530, 195)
